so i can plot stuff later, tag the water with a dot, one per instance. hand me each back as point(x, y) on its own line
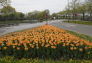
point(22, 26)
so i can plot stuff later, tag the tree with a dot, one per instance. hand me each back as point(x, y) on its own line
point(9, 13)
point(74, 5)
point(44, 15)
point(33, 15)
point(39, 15)
point(4, 2)
point(89, 7)
point(18, 16)
point(47, 14)
point(8, 10)
point(78, 9)
point(82, 10)
point(90, 1)
point(55, 15)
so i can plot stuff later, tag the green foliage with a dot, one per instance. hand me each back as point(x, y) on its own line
point(7, 10)
point(88, 38)
point(9, 13)
point(39, 15)
point(80, 22)
point(61, 51)
point(78, 10)
point(8, 59)
point(54, 15)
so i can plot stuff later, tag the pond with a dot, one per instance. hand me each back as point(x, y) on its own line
point(21, 26)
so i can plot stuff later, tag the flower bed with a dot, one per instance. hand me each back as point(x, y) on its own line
point(43, 42)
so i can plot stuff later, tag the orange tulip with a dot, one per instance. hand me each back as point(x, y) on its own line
point(81, 49)
point(45, 36)
point(71, 48)
point(26, 49)
point(4, 48)
point(54, 47)
point(18, 48)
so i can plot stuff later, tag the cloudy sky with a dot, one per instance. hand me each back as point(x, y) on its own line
point(31, 5)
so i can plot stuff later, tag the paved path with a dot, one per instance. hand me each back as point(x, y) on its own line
point(82, 29)
point(79, 28)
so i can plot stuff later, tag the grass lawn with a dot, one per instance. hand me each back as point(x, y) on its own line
point(80, 22)
point(12, 60)
point(86, 37)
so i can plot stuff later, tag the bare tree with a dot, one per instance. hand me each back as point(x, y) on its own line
point(74, 5)
point(4, 2)
point(89, 1)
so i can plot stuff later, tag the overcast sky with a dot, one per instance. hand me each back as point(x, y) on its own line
point(31, 5)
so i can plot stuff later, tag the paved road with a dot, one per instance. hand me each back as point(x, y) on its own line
point(83, 29)
point(79, 28)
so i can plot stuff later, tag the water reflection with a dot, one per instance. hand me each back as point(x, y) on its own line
point(22, 26)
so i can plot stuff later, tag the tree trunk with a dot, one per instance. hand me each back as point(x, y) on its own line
point(83, 18)
point(90, 14)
